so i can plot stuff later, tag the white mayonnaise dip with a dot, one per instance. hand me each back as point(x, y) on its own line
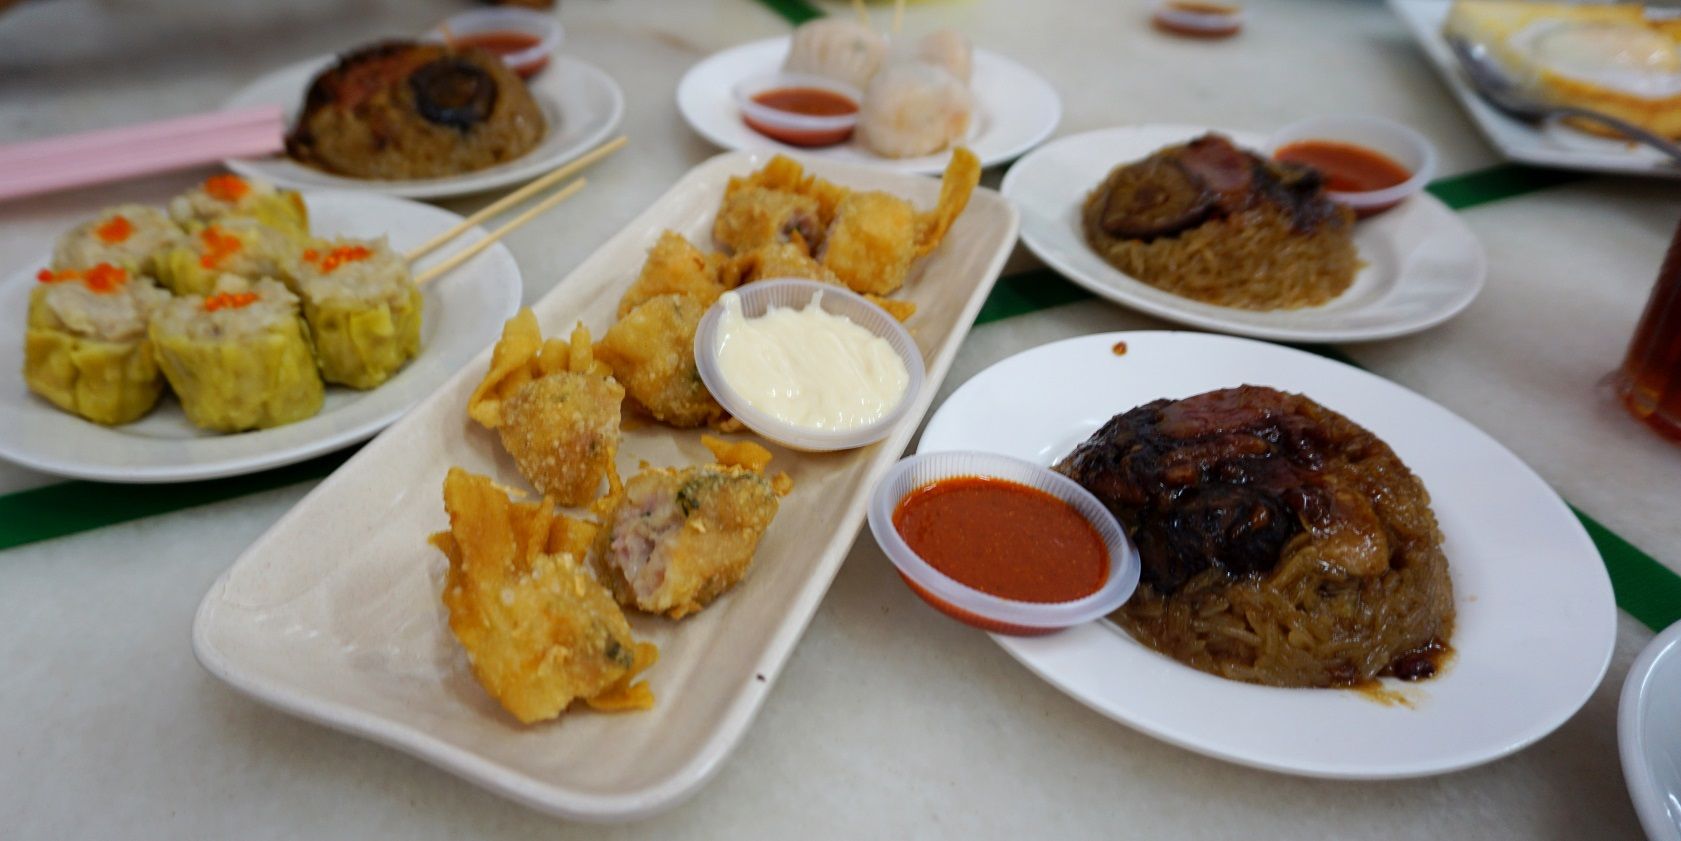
point(808, 367)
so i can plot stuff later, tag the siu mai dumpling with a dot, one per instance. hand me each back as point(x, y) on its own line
point(914, 108)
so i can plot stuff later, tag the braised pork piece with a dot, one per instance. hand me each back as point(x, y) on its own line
point(1281, 542)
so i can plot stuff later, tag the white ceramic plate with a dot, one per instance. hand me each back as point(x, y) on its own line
point(1536, 619)
point(1649, 735)
point(464, 310)
point(334, 614)
point(1015, 109)
point(1422, 264)
point(582, 104)
point(1552, 144)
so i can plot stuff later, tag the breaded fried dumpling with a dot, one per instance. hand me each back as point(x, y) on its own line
point(86, 348)
point(675, 267)
point(871, 243)
point(652, 352)
point(680, 538)
point(240, 358)
point(775, 261)
point(563, 432)
point(754, 217)
point(128, 236)
point(539, 631)
point(874, 236)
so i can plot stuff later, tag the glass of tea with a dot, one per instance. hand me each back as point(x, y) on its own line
point(1649, 383)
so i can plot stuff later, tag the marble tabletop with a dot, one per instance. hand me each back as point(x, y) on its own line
point(889, 720)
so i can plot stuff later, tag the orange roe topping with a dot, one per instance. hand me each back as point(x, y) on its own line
point(229, 300)
point(115, 230)
point(218, 247)
point(103, 278)
point(228, 188)
point(326, 263)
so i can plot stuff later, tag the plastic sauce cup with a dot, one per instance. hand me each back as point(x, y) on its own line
point(981, 609)
point(791, 128)
point(759, 297)
point(470, 26)
point(1403, 145)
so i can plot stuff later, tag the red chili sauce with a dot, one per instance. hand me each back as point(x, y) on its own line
point(1004, 538)
point(506, 43)
point(1347, 168)
point(808, 102)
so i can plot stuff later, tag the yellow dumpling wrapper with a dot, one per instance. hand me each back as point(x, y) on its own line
point(362, 346)
point(108, 382)
point(251, 382)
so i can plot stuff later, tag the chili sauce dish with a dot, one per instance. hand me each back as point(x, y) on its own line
point(1002, 544)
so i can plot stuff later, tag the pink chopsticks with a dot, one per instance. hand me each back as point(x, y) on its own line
point(76, 160)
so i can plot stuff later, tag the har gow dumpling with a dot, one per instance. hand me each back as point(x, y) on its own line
point(914, 108)
point(843, 50)
point(950, 49)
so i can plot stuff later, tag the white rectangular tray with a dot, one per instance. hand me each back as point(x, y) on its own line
point(334, 613)
point(1552, 145)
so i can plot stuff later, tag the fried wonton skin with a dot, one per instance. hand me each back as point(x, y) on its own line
point(539, 631)
point(957, 184)
point(520, 356)
point(652, 352)
point(782, 174)
point(678, 539)
point(563, 432)
point(675, 267)
point(754, 217)
point(775, 261)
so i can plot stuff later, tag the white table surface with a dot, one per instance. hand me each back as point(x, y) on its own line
point(889, 720)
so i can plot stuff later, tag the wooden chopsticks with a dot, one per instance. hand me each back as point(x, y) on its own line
point(517, 196)
point(470, 251)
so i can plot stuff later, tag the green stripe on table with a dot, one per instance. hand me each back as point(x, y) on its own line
point(70, 507)
point(795, 12)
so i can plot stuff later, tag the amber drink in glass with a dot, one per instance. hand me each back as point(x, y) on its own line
point(1649, 382)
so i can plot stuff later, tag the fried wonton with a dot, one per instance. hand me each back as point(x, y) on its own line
point(539, 630)
point(675, 267)
point(677, 539)
point(775, 261)
point(555, 407)
point(520, 356)
point(874, 236)
point(782, 174)
point(652, 352)
point(754, 217)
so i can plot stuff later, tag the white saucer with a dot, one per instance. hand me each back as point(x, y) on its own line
point(1536, 621)
point(1423, 264)
point(1016, 109)
point(582, 104)
point(464, 314)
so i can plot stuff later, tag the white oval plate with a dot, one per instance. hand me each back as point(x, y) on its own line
point(1423, 264)
point(1649, 735)
point(333, 614)
point(582, 104)
point(1536, 619)
point(1015, 109)
point(464, 313)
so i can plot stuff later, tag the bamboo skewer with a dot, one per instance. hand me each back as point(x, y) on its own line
point(898, 15)
point(470, 251)
point(517, 196)
point(863, 13)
